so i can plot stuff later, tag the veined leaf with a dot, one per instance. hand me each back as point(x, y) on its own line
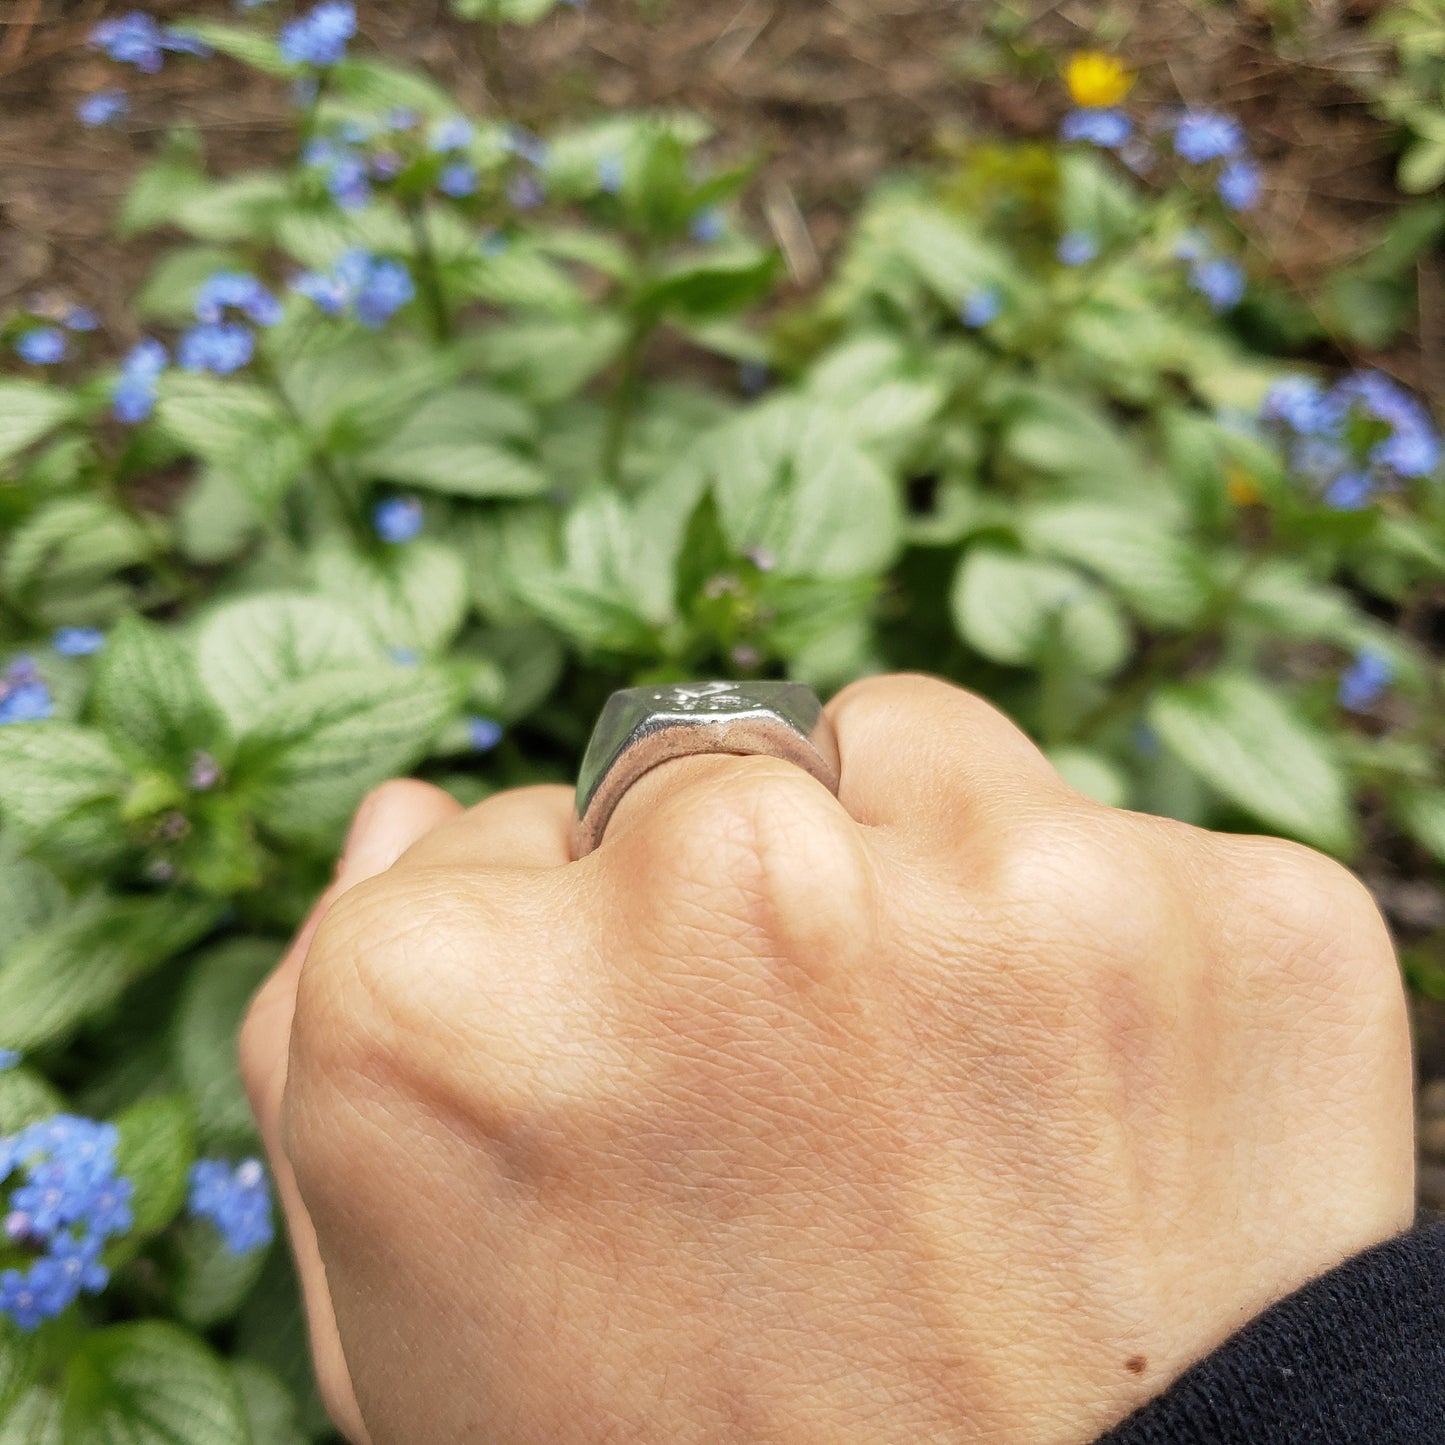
point(28, 410)
point(1250, 747)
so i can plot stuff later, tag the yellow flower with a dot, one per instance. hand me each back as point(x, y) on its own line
point(1243, 489)
point(1098, 80)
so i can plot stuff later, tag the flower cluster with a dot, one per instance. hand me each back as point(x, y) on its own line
point(1200, 137)
point(24, 696)
point(319, 37)
point(1364, 435)
point(237, 1201)
point(1218, 279)
point(133, 395)
point(360, 156)
point(70, 1200)
point(372, 288)
point(221, 341)
point(136, 39)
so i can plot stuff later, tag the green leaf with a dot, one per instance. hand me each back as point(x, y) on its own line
point(412, 597)
point(54, 980)
point(163, 187)
point(28, 410)
point(1152, 567)
point(1052, 431)
point(1250, 747)
point(508, 12)
point(272, 1412)
point(256, 48)
point(156, 1150)
point(48, 770)
point(376, 86)
point(248, 651)
point(789, 477)
point(170, 289)
point(1423, 166)
point(25, 1098)
point(1422, 815)
point(149, 1384)
point(1012, 609)
point(66, 548)
point(146, 694)
point(549, 360)
point(712, 286)
point(328, 740)
point(30, 895)
point(209, 1282)
point(203, 1035)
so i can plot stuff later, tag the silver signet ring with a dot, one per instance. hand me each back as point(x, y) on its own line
point(642, 727)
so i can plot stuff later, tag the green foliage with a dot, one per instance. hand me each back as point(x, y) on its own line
point(534, 479)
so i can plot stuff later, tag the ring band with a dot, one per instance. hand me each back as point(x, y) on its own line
point(643, 727)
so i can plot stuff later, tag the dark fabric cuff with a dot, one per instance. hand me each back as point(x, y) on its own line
point(1356, 1357)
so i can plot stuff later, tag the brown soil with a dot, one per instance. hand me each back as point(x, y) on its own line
point(831, 92)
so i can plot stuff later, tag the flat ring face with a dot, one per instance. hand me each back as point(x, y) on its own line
point(642, 727)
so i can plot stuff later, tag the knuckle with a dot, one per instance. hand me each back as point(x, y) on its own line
point(757, 848)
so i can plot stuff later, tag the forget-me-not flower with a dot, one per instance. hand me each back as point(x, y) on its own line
point(458, 179)
point(237, 1201)
point(1365, 681)
point(1107, 128)
point(1240, 184)
point(1208, 135)
point(611, 174)
point(103, 107)
point(708, 227)
point(9, 1058)
point(981, 308)
point(373, 287)
point(397, 520)
point(133, 396)
point(484, 733)
point(24, 697)
point(136, 39)
point(41, 345)
point(1219, 280)
point(319, 37)
point(227, 291)
point(78, 641)
point(1077, 248)
point(221, 347)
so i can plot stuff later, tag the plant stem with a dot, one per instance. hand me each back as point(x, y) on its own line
point(624, 399)
point(428, 274)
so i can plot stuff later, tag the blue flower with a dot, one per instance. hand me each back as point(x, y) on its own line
point(221, 347)
point(458, 179)
point(69, 1201)
point(1206, 135)
point(1299, 403)
point(397, 520)
point(237, 1202)
point(78, 641)
point(104, 107)
point(41, 345)
point(708, 227)
point(531, 148)
point(1107, 128)
point(981, 309)
point(1412, 448)
point(483, 733)
point(236, 291)
point(405, 656)
point(9, 1058)
point(133, 396)
point(204, 772)
point(753, 377)
point(1077, 248)
point(1365, 681)
point(1351, 491)
point(612, 174)
point(81, 318)
point(319, 37)
point(526, 193)
point(1219, 280)
point(136, 39)
point(402, 117)
point(1240, 184)
point(375, 287)
point(453, 134)
point(24, 696)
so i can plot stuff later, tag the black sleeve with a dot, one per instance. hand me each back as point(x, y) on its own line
point(1356, 1357)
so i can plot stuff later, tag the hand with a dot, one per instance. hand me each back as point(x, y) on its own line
point(961, 1108)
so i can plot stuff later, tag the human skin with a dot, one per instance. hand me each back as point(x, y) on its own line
point(958, 1108)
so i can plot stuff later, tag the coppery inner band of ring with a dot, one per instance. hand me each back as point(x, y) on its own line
point(747, 735)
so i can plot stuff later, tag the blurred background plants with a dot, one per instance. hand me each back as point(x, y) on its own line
point(435, 427)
